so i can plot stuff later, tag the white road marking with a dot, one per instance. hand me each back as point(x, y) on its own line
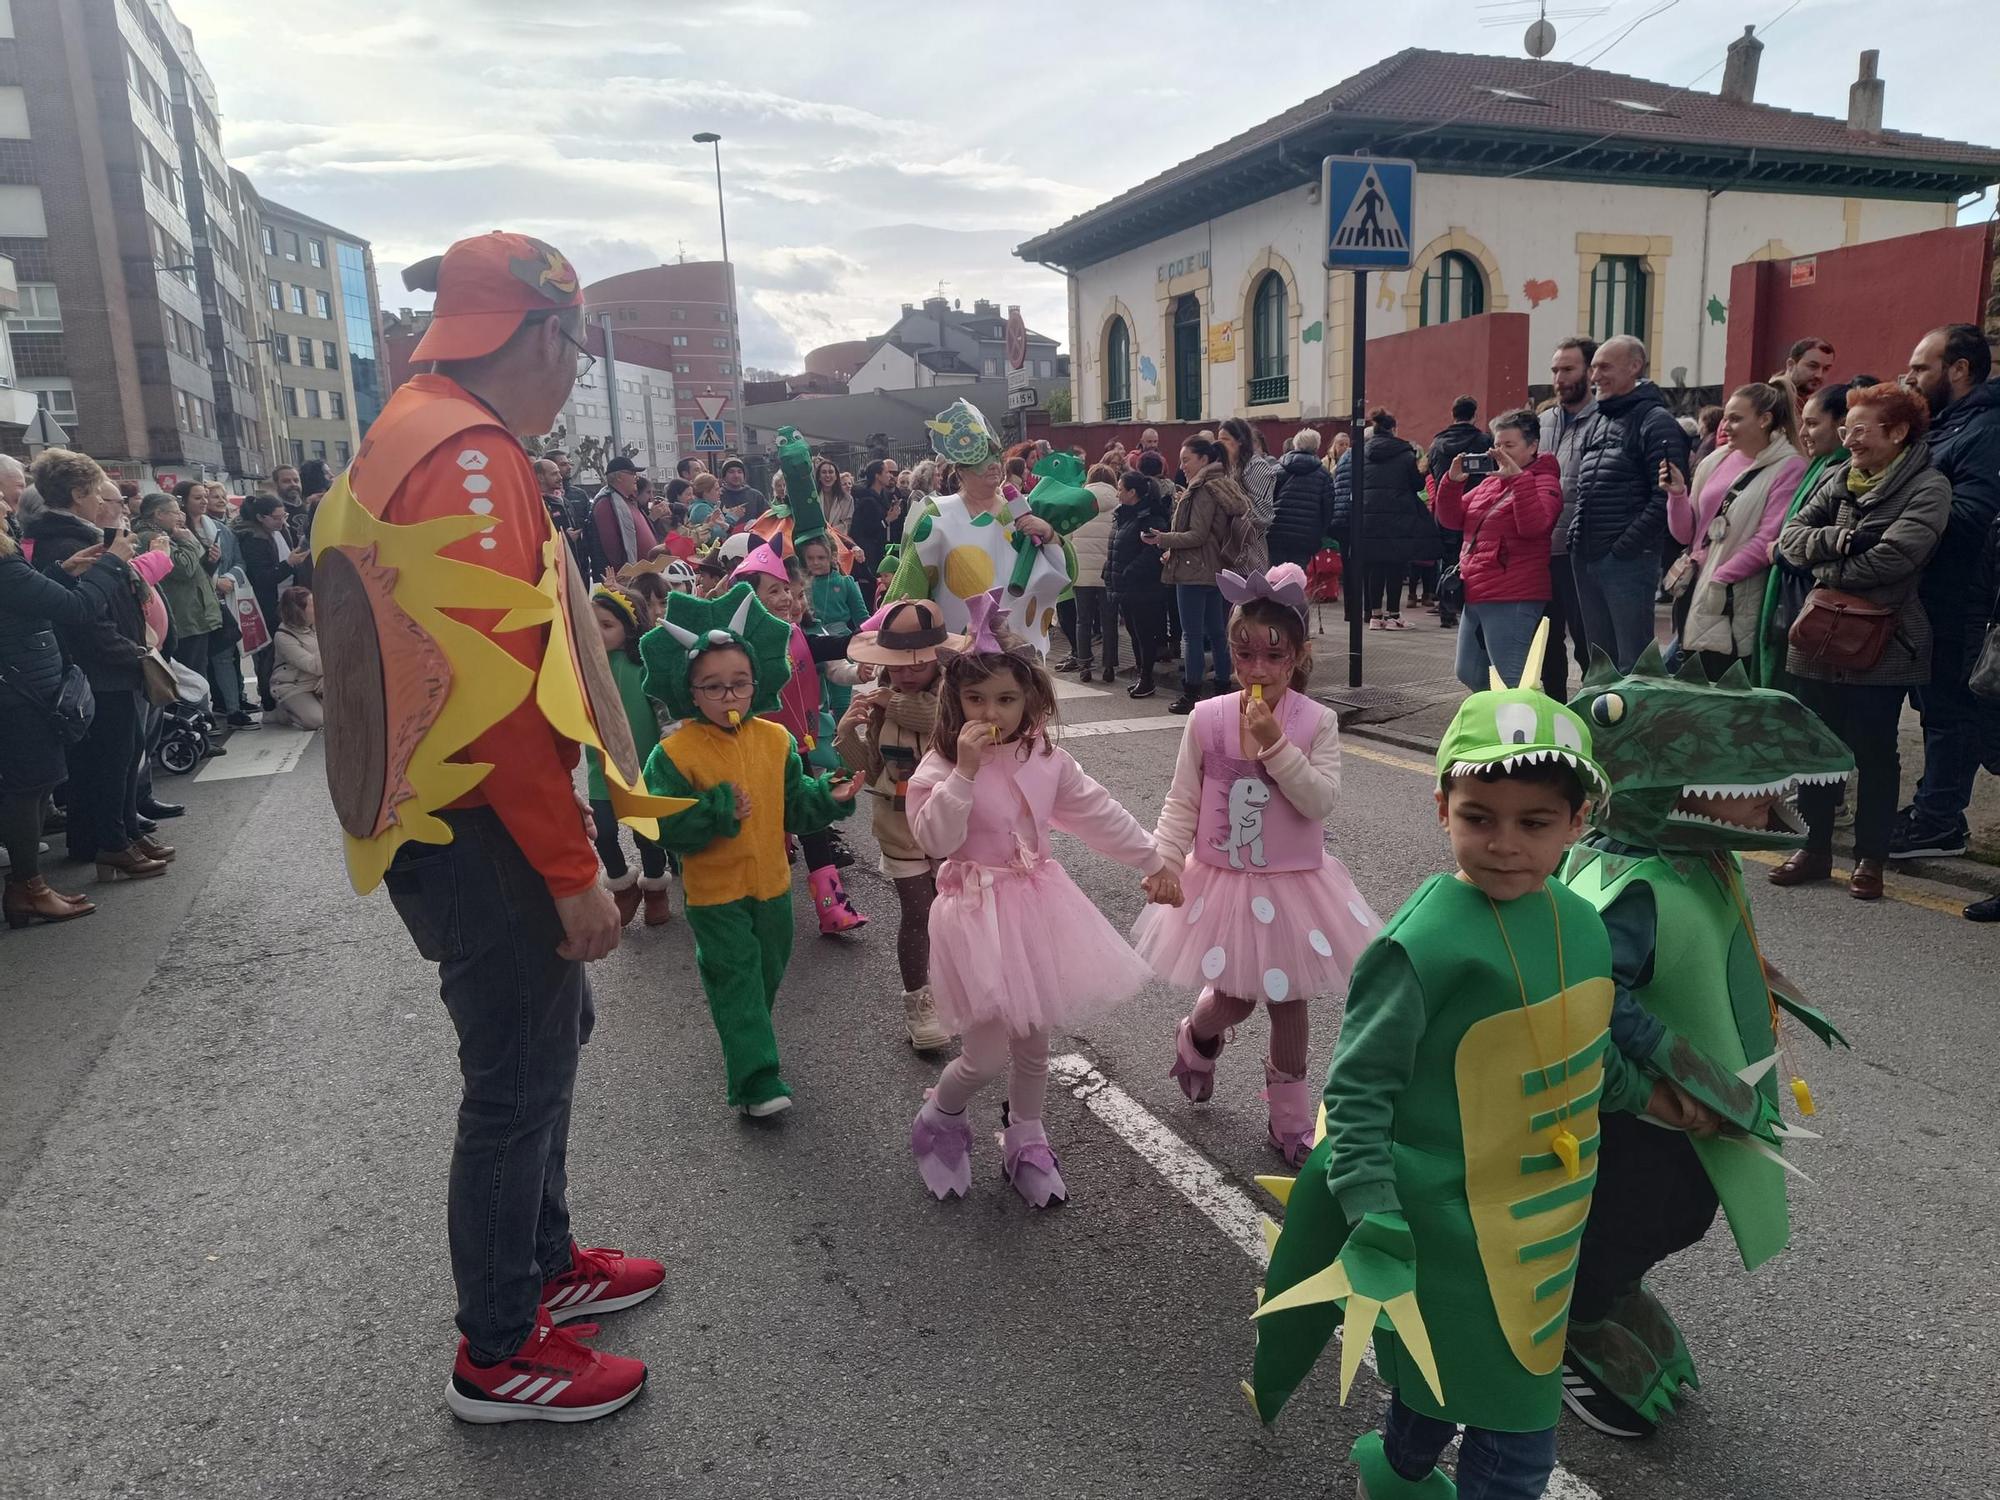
point(264, 752)
point(1068, 689)
point(1115, 726)
point(1202, 1183)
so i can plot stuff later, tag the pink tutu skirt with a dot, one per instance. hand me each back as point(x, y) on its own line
point(1290, 935)
point(1026, 947)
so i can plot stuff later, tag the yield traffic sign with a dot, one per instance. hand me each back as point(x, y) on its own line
point(711, 406)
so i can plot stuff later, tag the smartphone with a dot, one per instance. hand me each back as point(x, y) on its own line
point(1480, 463)
point(111, 534)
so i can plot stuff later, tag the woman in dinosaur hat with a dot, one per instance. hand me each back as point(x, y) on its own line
point(883, 736)
point(718, 665)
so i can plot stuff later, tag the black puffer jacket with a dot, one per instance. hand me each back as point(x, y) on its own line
point(1396, 525)
point(31, 669)
point(1620, 507)
point(1304, 509)
point(1131, 568)
point(1460, 437)
point(109, 644)
point(1965, 448)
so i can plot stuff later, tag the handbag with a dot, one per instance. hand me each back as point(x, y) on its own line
point(74, 708)
point(1451, 582)
point(158, 678)
point(1681, 573)
point(1985, 681)
point(1842, 631)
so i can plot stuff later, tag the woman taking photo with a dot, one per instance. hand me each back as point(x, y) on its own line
point(1503, 560)
point(1204, 516)
point(1868, 529)
point(1727, 518)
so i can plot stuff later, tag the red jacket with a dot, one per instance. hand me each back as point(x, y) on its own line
point(1506, 521)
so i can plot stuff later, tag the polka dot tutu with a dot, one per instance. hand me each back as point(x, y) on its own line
point(1292, 935)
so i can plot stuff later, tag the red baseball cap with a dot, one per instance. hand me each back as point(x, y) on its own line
point(485, 286)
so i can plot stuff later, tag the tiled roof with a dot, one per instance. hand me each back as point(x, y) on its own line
point(1437, 93)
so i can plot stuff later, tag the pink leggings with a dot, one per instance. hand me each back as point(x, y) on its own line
point(1291, 1028)
point(983, 1051)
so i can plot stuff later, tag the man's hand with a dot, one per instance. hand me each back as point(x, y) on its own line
point(78, 563)
point(590, 925)
point(122, 547)
point(1673, 1107)
point(1163, 887)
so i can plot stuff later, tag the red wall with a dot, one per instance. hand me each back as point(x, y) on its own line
point(1094, 437)
point(1417, 375)
point(1871, 302)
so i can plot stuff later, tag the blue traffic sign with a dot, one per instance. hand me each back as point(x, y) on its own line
point(1371, 205)
point(707, 436)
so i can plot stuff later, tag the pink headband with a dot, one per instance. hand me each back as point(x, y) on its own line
point(1285, 584)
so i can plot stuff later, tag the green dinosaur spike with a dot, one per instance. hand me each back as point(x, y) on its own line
point(1602, 671)
point(1735, 680)
point(1650, 662)
point(1691, 670)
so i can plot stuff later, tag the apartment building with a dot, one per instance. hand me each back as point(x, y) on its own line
point(319, 293)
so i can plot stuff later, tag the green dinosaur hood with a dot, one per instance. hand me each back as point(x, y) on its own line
point(669, 650)
point(1509, 726)
point(1663, 738)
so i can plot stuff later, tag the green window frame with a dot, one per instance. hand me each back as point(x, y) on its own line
point(1618, 297)
point(1453, 287)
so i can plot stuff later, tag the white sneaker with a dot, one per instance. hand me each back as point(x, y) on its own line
point(763, 1109)
point(927, 1032)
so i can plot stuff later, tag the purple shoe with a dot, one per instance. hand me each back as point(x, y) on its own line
point(1194, 1072)
point(942, 1144)
point(1030, 1164)
point(1294, 1114)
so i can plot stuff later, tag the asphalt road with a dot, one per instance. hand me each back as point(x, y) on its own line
point(228, 1101)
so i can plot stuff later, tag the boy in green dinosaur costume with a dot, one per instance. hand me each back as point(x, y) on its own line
point(718, 664)
point(1445, 1200)
point(1703, 770)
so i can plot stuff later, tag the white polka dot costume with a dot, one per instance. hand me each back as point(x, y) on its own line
point(1268, 914)
point(971, 555)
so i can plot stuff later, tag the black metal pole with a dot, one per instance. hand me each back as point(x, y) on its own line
point(1353, 570)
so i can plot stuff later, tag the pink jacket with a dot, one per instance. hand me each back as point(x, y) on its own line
point(153, 566)
point(1690, 512)
point(1002, 816)
point(1506, 519)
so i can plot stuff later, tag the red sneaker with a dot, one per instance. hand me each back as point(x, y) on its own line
point(555, 1377)
point(600, 1281)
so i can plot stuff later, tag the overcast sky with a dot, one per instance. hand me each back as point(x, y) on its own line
point(874, 150)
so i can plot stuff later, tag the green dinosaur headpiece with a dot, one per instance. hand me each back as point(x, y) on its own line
point(693, 626)
point(960, 435)
point(1509, 727)
point(1669, 741)
point(808, 515)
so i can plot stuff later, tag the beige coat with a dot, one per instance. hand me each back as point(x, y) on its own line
point(1723, 617)
point(1203, 515)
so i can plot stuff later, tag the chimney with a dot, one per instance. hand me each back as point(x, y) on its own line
point(984, 309)
point(937, 307)
point(1739, 72)
point(908, 309)
point(1864, 98)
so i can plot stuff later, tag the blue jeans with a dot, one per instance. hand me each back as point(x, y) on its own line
point(1491, 1465)
point(478, 910)
point(1616, 594)
point(1498, 635)
point(1951, 734)
point(1204, 622)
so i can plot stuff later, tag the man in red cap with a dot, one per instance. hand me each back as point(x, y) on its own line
point(512, 908)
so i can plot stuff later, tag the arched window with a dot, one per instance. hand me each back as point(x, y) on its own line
point(1117, 372)
point(1618, 297)
point(1187, 358)
point(1453, 288)
point(1269, 373)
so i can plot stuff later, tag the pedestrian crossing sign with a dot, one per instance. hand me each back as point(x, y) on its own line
point(1370, 212)
point(707, 436)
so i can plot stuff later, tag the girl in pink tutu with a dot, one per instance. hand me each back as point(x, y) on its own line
point(1017, 951)
point(1270, 915)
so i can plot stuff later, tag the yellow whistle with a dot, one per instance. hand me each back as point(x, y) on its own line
point(993, 731)
point(735, 718)
point(1568, 1152)
point(1803, 1097)
point(1256, 692)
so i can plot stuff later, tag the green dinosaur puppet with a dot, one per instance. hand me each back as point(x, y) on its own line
point(1703, 770)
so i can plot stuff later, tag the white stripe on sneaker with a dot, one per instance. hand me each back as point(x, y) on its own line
point(562, 1296)
point(529, 1389)
point(501, 1390)
point(597, 1290)
point(551, 1393)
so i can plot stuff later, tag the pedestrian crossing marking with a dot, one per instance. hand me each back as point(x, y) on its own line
point(1370, 222)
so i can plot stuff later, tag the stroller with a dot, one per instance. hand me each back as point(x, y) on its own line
point(187, 733)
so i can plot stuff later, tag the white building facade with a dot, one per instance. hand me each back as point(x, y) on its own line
point(1231, 313)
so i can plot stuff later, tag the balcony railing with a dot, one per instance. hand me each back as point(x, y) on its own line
point(1118, 411)
point(1271, 390)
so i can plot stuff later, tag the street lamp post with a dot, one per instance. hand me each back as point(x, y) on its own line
point(711, 139)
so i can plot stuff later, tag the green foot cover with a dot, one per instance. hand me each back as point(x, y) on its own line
point(1380, 1482)
point(1637, 1353)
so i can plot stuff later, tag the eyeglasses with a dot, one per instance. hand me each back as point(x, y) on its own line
point(585, 360)
point(716, 692)
point(1857, 429)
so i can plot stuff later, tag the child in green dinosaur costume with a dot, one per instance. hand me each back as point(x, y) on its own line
point(717, 664)
point(1444, 1203)
point(1703, 770)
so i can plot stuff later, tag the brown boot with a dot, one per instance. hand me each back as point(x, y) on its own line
point(129, 864)
point(1803, 868)
point(659, 907)
point(1866, 883)
point(625, 892)
point(152, 848)
point(31, 900)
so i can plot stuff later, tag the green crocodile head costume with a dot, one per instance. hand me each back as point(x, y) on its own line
point(1681, 749)
point(694, 625)
point(1506, 727)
